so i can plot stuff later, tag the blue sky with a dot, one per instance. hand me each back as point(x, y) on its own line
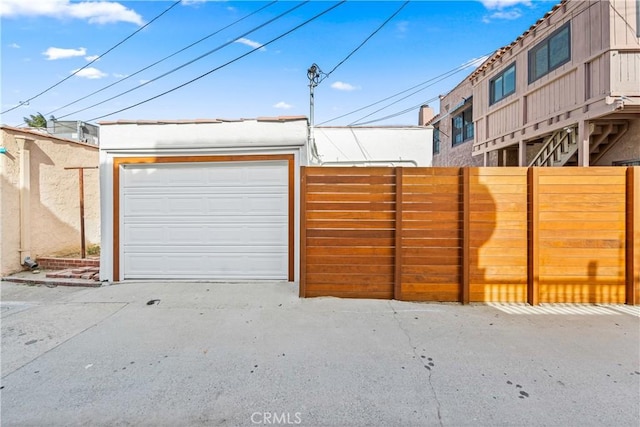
point(45, 41)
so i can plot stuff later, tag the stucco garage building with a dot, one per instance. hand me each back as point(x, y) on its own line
point(201, 199)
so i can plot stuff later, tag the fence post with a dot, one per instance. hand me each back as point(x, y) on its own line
point(397, 287)
point(533, 251)
point(632, 262)
point(303, 232)
point(466, 225)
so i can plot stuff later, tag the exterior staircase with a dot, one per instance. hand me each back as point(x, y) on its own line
point(604, 135)
point(561, 148)
point(557, 149)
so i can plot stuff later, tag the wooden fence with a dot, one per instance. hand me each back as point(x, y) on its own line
point(472, 234)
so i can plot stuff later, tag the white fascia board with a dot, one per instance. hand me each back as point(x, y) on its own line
point(241, 134)
point(106, 217)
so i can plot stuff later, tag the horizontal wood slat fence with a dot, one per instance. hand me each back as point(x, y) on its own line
point(472, 234)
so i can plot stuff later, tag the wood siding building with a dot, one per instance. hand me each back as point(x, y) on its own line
point(566, 92)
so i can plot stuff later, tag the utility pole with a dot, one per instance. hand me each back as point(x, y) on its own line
point(313, 74)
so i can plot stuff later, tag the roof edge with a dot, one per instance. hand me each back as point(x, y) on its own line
point(501, 51)
point(200, 121)
point(47, 135)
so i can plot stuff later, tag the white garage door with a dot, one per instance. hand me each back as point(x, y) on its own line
point(219, 220)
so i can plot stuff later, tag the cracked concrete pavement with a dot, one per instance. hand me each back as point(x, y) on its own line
point(256, 354)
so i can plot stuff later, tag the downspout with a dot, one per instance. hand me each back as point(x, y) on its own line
point(24, 187)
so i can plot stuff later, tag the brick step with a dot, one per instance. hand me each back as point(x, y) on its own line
point(86, 273)
point(54, 263)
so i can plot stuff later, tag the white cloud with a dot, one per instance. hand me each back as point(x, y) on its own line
point(283, 105)
point(192, 2)
point(142, 82)
point(344, 86)
point(90, 73)
point(250, 43)
point(475, 62)
point(54, 53)
point(501, 4)
point(95, 12)
point(504, 9)
point(119, 76)
point(14, 46)
point(506, 14)
point(91, 58)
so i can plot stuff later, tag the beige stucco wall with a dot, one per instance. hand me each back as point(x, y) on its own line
point(628, 148)
point(54, 215)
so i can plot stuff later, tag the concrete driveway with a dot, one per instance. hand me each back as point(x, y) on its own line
point(256, 354)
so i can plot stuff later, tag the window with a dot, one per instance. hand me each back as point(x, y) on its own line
point(436, 140)
point(462, 125)
point(503, 85)
point(634, 162)
point(550, 54)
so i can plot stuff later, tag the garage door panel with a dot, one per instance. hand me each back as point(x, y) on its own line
point(270, 174)
point(208, 219)
point(209, 249)
point(183, 205)
point(213, 234)
point(203, 205)
point(195, 265)
point(201, 189)
point(234, 174)
point(146, 176)
point(142, 206)
point(211, 220)
point(269, 204)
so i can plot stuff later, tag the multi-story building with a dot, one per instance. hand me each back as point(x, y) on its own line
point(76, 130)
point(566, 92)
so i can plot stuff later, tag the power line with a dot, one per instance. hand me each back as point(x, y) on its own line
point(399, 113)
point(439, 79)
point(225, 64)
point(191, 61)
point(94, 60)
point(356, 123)
point(432, 80)
point(366, 40)
point(163, 59)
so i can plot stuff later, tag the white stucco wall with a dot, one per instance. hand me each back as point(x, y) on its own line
point(377, 144)
point(54, 215)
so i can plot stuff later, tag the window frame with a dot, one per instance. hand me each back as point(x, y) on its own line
point(492, 84)
point(545, 45)
point(436, 140)
point(638, 18)
point(466, 129)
